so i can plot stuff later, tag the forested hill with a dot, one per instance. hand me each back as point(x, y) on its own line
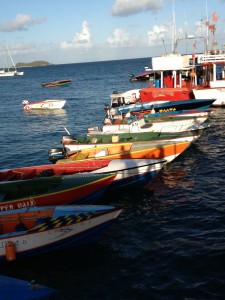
point(37, 63)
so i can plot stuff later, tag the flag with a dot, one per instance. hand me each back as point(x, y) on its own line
point(212, 28)
point(214, 16)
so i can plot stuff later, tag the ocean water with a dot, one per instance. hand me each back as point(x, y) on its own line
point(169, 242)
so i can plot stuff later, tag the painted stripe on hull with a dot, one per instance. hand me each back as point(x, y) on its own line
point(60, 197)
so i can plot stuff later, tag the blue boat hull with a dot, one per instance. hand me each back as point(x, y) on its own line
point(14, 289)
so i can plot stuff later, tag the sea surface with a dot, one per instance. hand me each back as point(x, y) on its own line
point(169, 242)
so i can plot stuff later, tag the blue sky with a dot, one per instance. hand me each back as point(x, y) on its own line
point(73, 31)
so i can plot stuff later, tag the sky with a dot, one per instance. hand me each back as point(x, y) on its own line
point(76, 31)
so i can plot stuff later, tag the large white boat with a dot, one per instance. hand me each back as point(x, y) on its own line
point(213, 76)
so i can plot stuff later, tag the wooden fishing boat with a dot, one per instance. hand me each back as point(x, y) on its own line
point(182, 114)
point(142, 77)
point(23, 187)
point(138, 150)
point(100, 138)
point(12, 288)
point(44, 104)
point(175, 115)
point(56, 83)
point(70, 143)
point(112, 148)
point(129, 172)
point(149, 125)
point(168, 106)
point(133, 173)
point(34, 230)
point(135, 167)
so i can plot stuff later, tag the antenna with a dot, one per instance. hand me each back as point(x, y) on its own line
point(173, 30)
point(164, 45)
point(207, 27)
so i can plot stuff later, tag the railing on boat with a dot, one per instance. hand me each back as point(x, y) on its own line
point(213, 58)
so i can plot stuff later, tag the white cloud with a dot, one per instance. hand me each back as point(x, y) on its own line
point(80, 40)
point(22, 22)
point(158, 33)
point(121, 38)
point(130, 7)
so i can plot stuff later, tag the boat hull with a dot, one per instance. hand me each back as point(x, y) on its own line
point(70, 144)
point(147, 124)
point(56, 83)
point(214, 93)
point(143, 136)
point(45, 104)
point(170, 106)
point(140, 165)
point(10, 73)
point(138, 150)
point(67, 226)
point(133, 172)
point(12, 287)
point(56, 190)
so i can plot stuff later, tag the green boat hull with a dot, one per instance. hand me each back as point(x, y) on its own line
point(134, 137)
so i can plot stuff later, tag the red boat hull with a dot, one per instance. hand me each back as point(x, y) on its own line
point(61, 190)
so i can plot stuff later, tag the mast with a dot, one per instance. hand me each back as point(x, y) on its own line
point(207, 27)
point(8, 52)
point(174, 31)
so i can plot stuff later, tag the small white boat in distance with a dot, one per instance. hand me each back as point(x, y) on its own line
point(9, 73)
point(44, 104)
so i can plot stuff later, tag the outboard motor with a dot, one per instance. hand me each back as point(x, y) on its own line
point(68, 139)
point(106, 107)
point(54, 154)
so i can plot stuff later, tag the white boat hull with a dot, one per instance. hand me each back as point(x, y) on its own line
point(48, 238)
point(45, 104)
point(213, 93)
point(10, 73)
point(132, 171)
point(142, 126)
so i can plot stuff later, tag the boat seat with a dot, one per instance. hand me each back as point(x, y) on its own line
point(80, 156)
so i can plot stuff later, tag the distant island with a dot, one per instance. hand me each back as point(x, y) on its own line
point(37, 63)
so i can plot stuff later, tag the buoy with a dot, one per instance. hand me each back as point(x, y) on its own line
point(10, 251)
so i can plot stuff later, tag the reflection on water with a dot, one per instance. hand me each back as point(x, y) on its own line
point(46, 112)
point(169, 241)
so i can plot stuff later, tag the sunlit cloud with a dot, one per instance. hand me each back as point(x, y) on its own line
point(158, 33)
point(22, 22)
point(121, 38)
point(80, 40)
point(130, 7)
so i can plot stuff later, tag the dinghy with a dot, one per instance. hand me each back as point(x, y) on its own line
point(44, 104)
